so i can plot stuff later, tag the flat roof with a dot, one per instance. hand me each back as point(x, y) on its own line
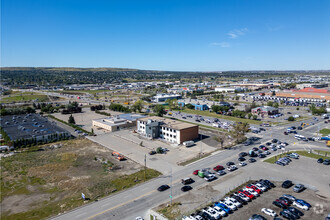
point(28, 126)
point(119, 119)
point(170, 123)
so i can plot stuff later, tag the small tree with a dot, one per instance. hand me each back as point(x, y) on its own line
point(275, 105)
point(71, 120)
point(254, 117)
point(159, 150)
point(291, 118)
point(159, 110)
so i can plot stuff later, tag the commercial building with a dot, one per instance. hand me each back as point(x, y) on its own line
point(118, 122)
point(163, 97)
point(167, 129)
point(265, 110)
point(306, 94)
point(31, 126)
point(197, 106)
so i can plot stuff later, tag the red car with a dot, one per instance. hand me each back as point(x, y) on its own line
point(195, 172)
point(218, 168)
point(254, 188)
point(265, 148)
point(282, 201)
point(247, 194)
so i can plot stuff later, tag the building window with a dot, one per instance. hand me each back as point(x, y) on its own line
point(174, 136)
point(170, 135)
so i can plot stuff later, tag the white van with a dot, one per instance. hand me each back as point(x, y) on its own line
point(188, 143)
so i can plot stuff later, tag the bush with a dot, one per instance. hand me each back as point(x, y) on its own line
point(291, 118)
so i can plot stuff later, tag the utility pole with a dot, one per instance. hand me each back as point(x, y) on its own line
point(200, 154)
point(145, 166)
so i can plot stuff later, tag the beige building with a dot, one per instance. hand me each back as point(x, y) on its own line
point(117, 122)
point(167, 129)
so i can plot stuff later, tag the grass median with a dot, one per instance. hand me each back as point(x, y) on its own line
point(325, 131)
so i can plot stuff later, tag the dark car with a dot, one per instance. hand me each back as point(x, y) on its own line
point(281, 205)
point(187, 181)
point(285, 133)
point(230, 163)
point(287, 216)
point(282, 201)
point(255, 149)
point(326, 162)
point(261, 146)
point(299, 128)
point(242, 154)
point(268, 144)
point(287, 184)
point(239, 199)
point(261, 155)
point(241, 159)
point(186, 188)
point(251, 160)
point(267, 183)
point(163, 188)
point(274, 140)
point(295, 210)
point(291, 213)
point(257, 217)
point(288, 201)
point(279, 163)
point(152, 152)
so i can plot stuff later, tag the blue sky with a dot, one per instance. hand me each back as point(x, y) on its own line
point(177, 35)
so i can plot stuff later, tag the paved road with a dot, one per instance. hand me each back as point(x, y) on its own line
point(137, 200)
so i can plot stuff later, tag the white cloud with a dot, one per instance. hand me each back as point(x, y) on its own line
point(220, 44)
point(237, 32)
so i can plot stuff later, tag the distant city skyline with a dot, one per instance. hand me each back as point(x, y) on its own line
point(167, 35)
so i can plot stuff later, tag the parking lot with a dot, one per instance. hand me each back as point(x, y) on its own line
point(128, 143)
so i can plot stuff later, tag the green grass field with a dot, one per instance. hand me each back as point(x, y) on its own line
point(325, 131)
point(24, 98)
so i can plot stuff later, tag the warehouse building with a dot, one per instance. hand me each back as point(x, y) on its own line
point(167, 129)
point(306, 94)
point(163, 97)
point(118, 122)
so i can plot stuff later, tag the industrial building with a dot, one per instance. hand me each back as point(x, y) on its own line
point(31, 126)
point(163, 97)
point(167, 129)
point(118, 122)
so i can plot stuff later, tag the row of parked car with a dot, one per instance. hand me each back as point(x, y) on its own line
point(232, 202)
point(325, 161)
point(287, 159)
point(285, 202)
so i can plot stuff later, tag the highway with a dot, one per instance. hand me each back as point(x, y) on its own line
point(138, 200)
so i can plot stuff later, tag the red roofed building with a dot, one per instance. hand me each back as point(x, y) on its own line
point(313, 90)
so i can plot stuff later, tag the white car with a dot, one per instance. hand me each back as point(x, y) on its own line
point(242, 164)
point(213, 213)
point(269, 212)
point(261, 187)
point(295, 154)
point(304, 207)
point(251, 191)
point(188, 218)
point(234, 201)
point(139, 218)
point(229, 205)
point(221, 212)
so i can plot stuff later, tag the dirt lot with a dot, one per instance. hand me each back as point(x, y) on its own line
point(188, 203)
point(38, 184)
